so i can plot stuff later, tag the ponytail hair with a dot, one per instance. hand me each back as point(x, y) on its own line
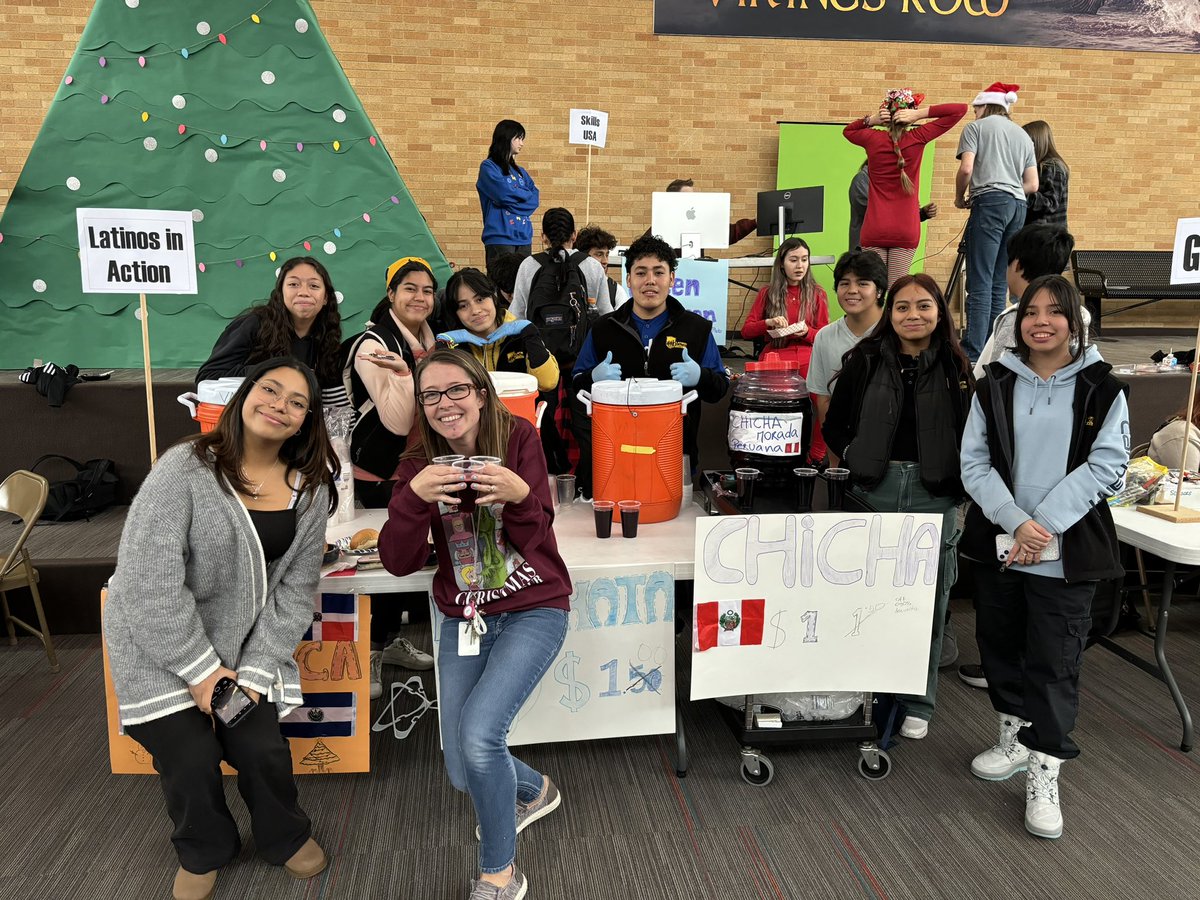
point(558, 225)
point(895, 132)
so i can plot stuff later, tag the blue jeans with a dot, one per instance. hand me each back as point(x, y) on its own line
point(901, 491)
point(995, 217)
point(478, 697)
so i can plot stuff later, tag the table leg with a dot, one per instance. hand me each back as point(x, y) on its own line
point(1160, 654)
point(681, 756)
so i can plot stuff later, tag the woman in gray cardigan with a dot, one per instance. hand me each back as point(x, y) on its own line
point(214, 586)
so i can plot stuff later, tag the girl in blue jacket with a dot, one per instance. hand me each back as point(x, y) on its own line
point(507, 195)
point(1046, 442)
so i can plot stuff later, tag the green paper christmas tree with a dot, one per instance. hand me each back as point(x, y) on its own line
point(235, 110)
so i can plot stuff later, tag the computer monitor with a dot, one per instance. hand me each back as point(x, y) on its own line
point(803, 211)
point(690, 220)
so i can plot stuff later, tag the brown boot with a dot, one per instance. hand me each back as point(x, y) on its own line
point(308, 861)
point(190, 886)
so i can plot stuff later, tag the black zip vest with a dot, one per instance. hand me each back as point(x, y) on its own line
point(942, 396)
point(1089, 548)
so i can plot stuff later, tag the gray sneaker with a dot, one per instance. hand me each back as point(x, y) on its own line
point(402, 653)
point(544, 804)
point(514, 890)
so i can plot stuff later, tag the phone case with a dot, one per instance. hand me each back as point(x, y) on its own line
point(1005, 542)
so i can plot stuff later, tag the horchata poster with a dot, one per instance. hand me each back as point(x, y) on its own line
point(1159, 25)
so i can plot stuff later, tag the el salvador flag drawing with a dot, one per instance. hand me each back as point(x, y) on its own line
point(322, 715)
point(335, 618)
point(729, 623)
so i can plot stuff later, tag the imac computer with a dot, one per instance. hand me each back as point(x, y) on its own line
point(690, 220)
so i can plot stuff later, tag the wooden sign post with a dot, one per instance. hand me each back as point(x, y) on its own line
point(589, 126)
point(150, 251)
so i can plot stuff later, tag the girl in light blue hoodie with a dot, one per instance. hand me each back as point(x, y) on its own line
point(1046, 442)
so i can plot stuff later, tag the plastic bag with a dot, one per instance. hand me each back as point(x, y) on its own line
point(831, 706)
point(338, 421)
point(1141, 478)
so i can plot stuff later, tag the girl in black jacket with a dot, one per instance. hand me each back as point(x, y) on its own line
point(896, 419)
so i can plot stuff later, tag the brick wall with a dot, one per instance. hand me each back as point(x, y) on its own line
point(436, 76)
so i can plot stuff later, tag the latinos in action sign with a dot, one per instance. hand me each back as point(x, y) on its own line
point(1159, 25)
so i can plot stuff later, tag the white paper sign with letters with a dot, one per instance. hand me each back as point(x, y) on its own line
point(136, 251)
point(615, 673)
point(814, 602)
point(1185, 261)
point(589, 126)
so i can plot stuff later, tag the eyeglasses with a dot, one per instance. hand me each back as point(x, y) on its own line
point(273, 392)
point(454, 392)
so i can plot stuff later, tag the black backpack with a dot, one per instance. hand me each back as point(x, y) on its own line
point(558, 304)
point(91, 490)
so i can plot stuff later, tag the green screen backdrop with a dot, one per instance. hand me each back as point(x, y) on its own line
point(816, 153)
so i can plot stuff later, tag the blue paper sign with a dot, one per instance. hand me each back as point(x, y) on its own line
point(703, 287)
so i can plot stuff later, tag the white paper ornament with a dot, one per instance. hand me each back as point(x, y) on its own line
point(279, 175)
point(301, 26)
point(338, 295)
point(137, 313)
point(178, 101)
point(339, 116)
point(150, 144)
point(210, 154)
point(197, 215)
point(330, 247)
point(132, 4)
point(203, 28)
point(39, 286)
point(268, 77)
point(73, 183)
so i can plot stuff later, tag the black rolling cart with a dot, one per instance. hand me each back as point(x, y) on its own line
point(759, 726)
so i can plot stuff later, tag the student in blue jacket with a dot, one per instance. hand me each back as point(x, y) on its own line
point(1047, 440)
point(507, 195)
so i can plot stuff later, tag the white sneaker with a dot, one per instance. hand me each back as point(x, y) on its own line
point(376, 674)
point(1043, 816)
point(914, 728)
point(1007, 758)
point(401, 652)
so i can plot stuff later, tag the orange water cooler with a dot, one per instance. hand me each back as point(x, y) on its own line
point(208, 401)
point(519, 392)
point(637, 443)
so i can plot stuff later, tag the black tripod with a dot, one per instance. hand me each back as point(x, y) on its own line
point(955, 283)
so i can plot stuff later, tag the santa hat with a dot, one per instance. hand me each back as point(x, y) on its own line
point(999, 94)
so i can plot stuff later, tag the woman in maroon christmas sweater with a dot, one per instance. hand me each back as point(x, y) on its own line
point(892, 227)
point(501, 587)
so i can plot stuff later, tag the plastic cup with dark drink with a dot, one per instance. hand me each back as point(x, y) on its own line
point(806, 481)
point(835, 481)
point(630, 510)
point(603, 511)
point(746, 479)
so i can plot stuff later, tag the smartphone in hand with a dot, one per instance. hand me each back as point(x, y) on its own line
point(230, 703)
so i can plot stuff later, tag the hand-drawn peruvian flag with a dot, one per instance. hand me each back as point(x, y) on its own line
point(322, 715)
point(335, 618)
point(728, 623)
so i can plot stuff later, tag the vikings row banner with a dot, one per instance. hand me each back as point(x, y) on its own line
point(1142, 25)
point(330, 732)
point(817, 602)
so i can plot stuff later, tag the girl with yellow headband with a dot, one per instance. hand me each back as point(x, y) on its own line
point(380, 385)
